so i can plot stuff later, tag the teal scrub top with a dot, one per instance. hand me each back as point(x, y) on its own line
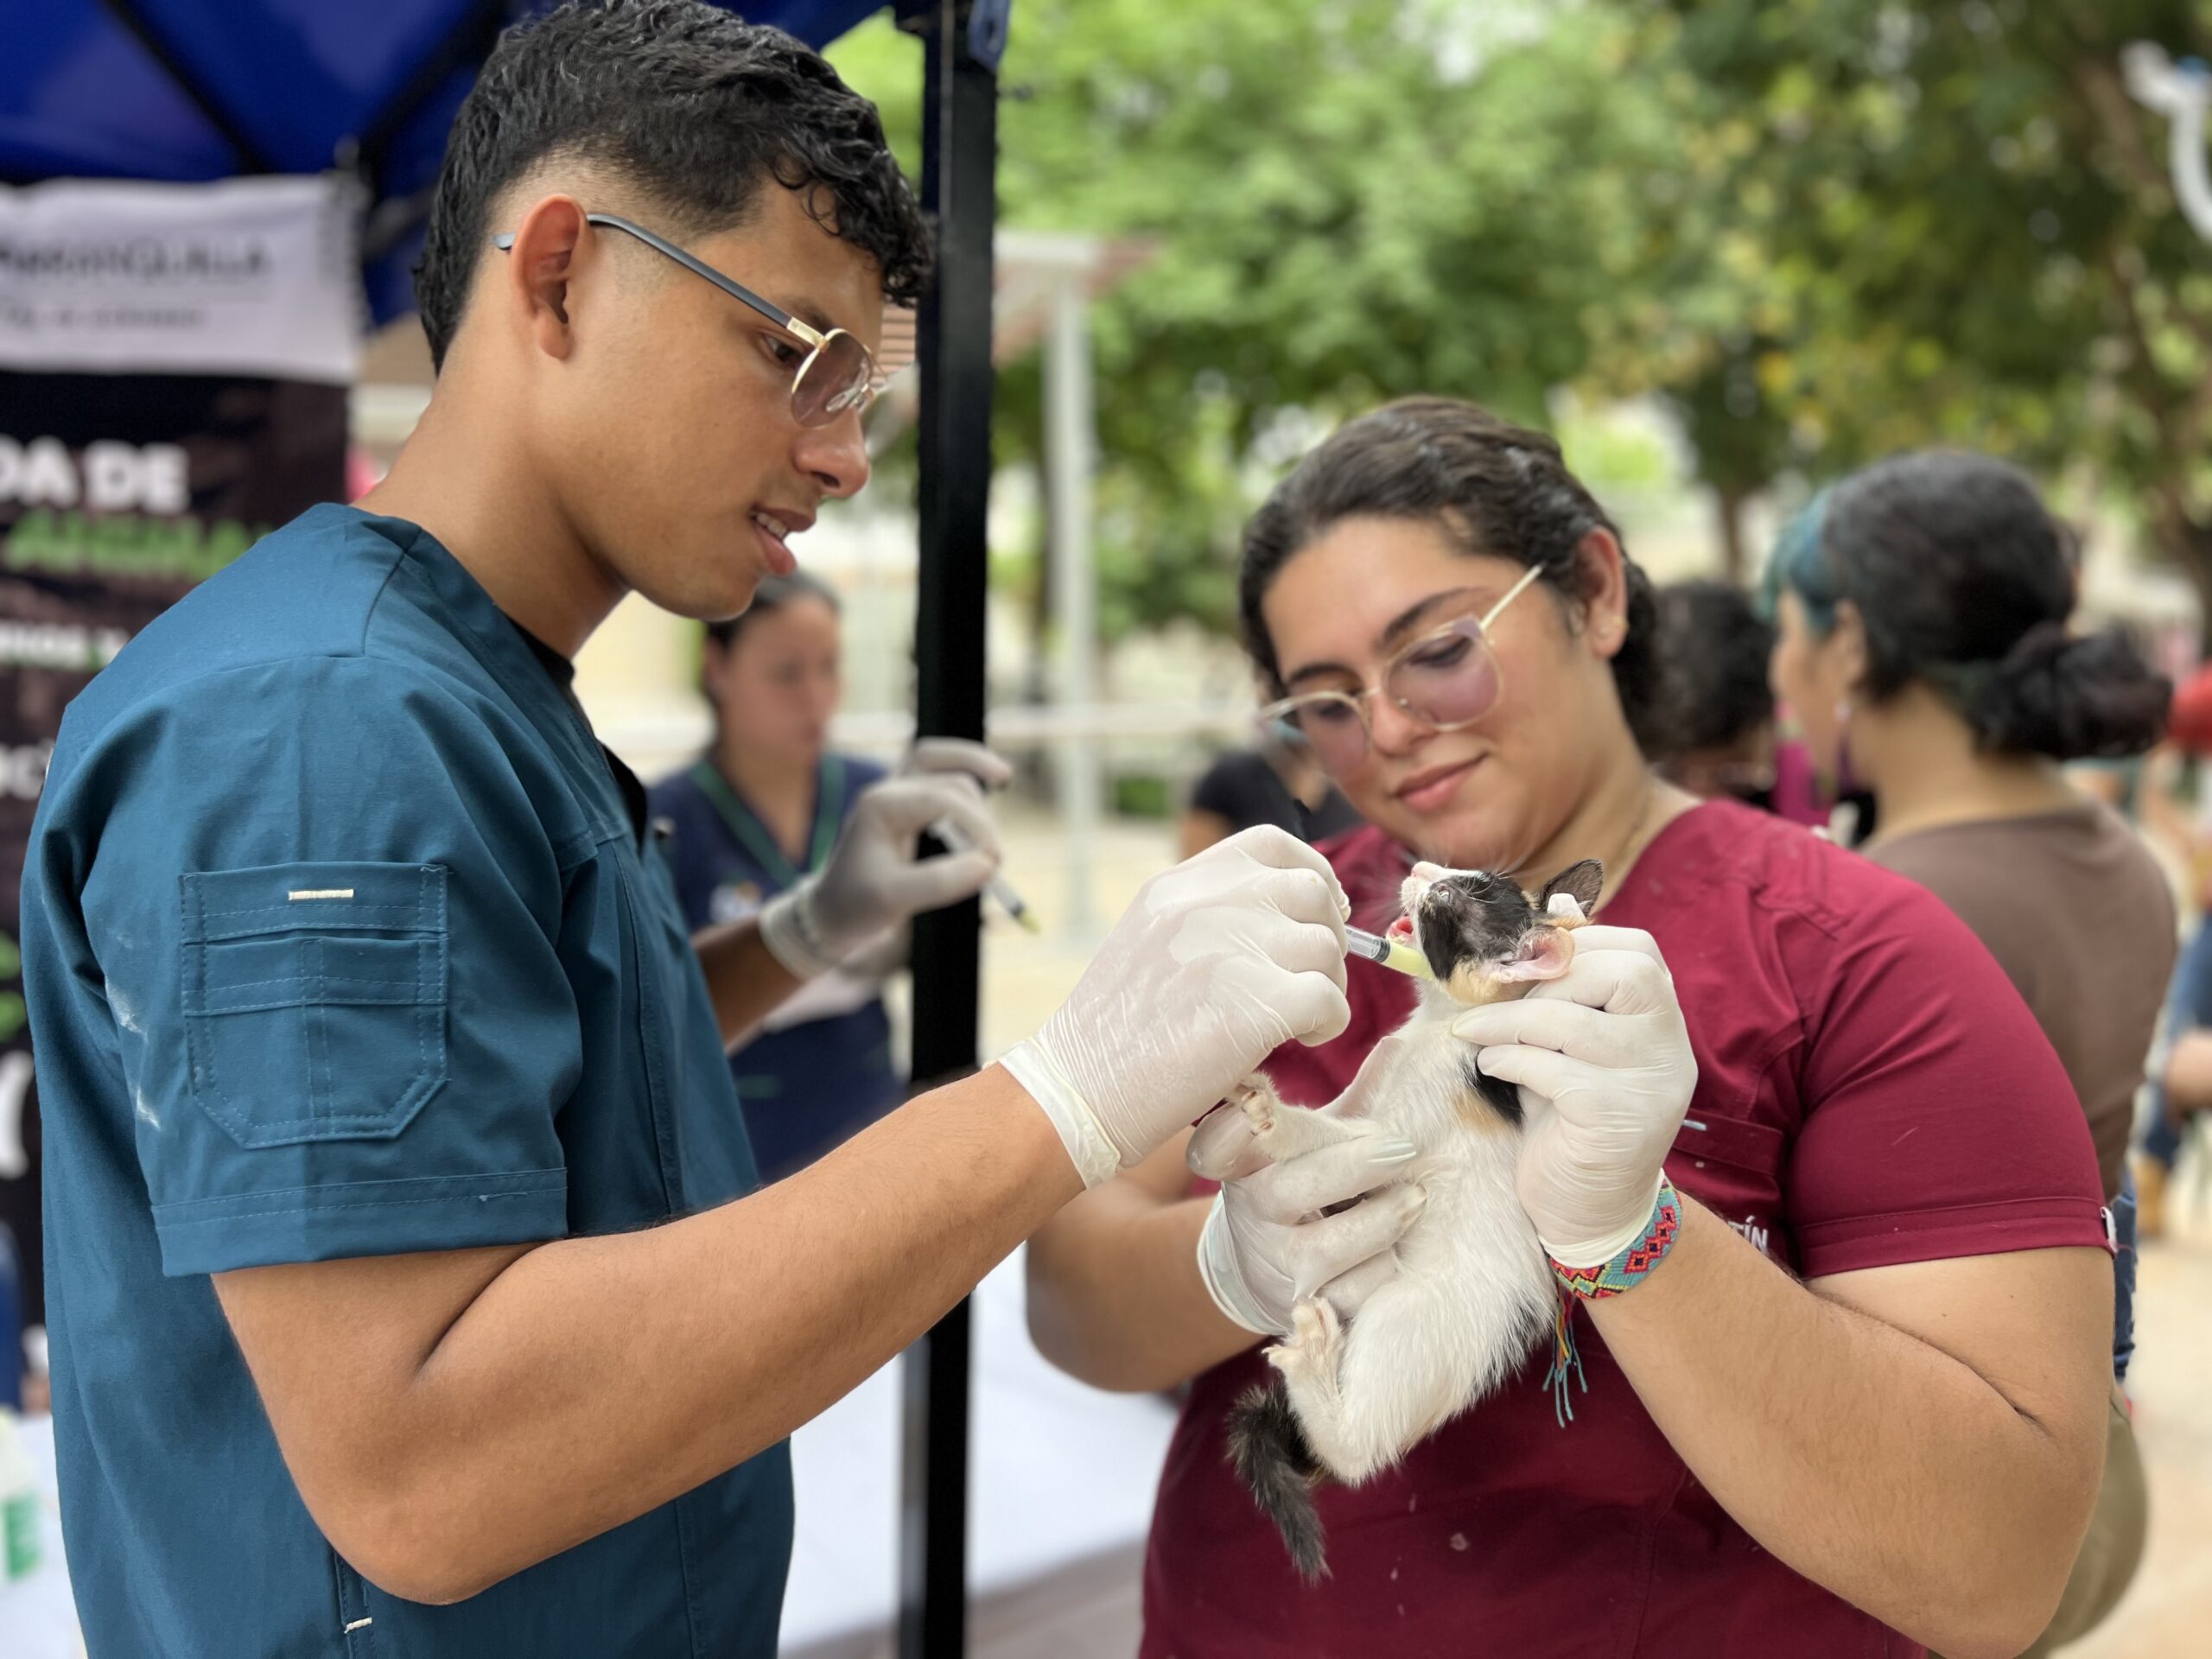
point(340, 941)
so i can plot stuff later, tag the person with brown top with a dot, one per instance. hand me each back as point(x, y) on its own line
point(1922, 605)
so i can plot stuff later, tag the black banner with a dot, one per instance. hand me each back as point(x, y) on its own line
point(117, 492)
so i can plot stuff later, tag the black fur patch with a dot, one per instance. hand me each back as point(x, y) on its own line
point(1502, 1098)
point(1267, 1449)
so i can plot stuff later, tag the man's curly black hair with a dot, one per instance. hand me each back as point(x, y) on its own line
point(687, 106)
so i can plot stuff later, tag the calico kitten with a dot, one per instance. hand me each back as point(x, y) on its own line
point(1473, 1291)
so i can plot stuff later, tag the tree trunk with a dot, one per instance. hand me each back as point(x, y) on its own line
point(2187, 542)
point(1728, 509)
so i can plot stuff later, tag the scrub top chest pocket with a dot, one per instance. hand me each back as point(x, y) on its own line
point(314, 998)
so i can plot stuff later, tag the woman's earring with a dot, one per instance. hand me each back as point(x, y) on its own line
point(1845, 784)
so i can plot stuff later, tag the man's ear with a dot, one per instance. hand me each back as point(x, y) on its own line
point(1581, 882)
point(549, 240)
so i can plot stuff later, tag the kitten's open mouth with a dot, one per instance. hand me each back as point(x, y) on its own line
point(1401, 929)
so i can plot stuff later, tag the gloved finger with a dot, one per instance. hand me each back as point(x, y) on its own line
point(1313, 1007)
point(956, 754)
point(1299, 947)
point(1328, 1175)
point(1222, 1147)
point(1619, 981)
point(1320, 1250)
point(1267, 844)
point(1537, 1070)
point(1588, 1034)
point(1304, 897)
point(933, 883)
point(1348, 1292)
point(905, 806)
point(1600, 936)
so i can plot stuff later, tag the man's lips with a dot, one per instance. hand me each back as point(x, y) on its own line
point(776, 526)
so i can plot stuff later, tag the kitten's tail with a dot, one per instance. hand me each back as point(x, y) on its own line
point(1267, 1449)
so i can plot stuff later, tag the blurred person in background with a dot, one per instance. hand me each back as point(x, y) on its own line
point(1923, 606)
point(1715, 736)
point(1276, 781)
point(2176, 805)
point(755, 816)
point(1843, 1414)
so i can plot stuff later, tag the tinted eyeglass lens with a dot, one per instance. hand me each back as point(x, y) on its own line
point(835, 379)
point(1449, 680)
point(1334, 731)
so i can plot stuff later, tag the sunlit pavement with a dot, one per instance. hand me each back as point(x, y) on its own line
point(2168, 1610)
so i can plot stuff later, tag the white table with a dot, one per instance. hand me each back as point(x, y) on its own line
point(37, 1620)
point(1060, 1494)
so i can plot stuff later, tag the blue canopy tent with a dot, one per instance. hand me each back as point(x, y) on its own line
point(196, 90)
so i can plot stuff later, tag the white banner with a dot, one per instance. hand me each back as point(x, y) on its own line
point(247, 277)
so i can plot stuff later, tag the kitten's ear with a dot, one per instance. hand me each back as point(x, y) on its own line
point(1580, 882)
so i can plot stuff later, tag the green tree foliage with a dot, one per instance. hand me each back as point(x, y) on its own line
point(1824, 230)
point(1951, 222)
point(1347, 200)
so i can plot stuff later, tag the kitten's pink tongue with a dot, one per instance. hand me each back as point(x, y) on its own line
point(1402, 929)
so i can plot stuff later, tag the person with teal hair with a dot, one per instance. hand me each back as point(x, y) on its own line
point(1922, 607)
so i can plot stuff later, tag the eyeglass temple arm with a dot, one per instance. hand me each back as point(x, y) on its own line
point(1510, 594)
point(736, 291)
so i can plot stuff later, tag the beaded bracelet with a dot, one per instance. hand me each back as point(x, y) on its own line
point(1627, 1270)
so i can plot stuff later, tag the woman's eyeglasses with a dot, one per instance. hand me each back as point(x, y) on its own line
point(838, 374)
point(1447, 679)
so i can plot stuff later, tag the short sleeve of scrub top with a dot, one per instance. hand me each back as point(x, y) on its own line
point(329, 953)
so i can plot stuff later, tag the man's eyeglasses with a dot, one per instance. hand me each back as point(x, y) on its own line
point(838, 374)
point(1447, 680)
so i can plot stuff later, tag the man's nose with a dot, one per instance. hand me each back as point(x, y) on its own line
point(836, 455)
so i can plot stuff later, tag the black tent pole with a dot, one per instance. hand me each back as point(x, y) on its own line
point(961, 42)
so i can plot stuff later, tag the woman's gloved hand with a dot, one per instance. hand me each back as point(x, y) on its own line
point(1217, 962)
point(873, 883)
point(1602, 1059)
point(1267, 1245)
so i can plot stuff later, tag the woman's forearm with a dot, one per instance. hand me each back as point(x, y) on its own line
point(1948, 1503)
point(1115, 1296)
point(744, 980)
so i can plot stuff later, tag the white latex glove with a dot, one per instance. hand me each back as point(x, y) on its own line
point(1267, 1246)
point(1216, 963)
point(1602, 1059)
point(873, 882)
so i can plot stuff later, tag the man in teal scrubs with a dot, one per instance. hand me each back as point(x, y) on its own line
point(409, 1292)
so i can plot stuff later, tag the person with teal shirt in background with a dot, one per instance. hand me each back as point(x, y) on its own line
point(752, 818)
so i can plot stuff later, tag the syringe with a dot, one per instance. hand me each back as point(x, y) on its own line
point(1398, 955)
point(958, 841)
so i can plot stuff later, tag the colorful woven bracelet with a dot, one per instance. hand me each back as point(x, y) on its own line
point(1627, 1270)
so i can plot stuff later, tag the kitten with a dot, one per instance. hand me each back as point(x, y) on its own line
point(1473, 1291)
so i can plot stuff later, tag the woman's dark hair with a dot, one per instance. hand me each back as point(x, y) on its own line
point(1963, 582)
point(772, 595)
point(687, 105)
point(1492, 486)
point(1713, 648)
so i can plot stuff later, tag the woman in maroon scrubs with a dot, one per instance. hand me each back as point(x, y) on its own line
point(1858, 1406)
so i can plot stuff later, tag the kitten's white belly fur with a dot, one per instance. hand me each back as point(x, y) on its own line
point(1473, 1291)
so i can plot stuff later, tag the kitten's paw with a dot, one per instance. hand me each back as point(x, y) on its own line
point(1256, 1099)
point(1315, 1342)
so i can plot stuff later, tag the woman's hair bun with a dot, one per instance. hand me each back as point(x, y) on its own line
point(2068, 697)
